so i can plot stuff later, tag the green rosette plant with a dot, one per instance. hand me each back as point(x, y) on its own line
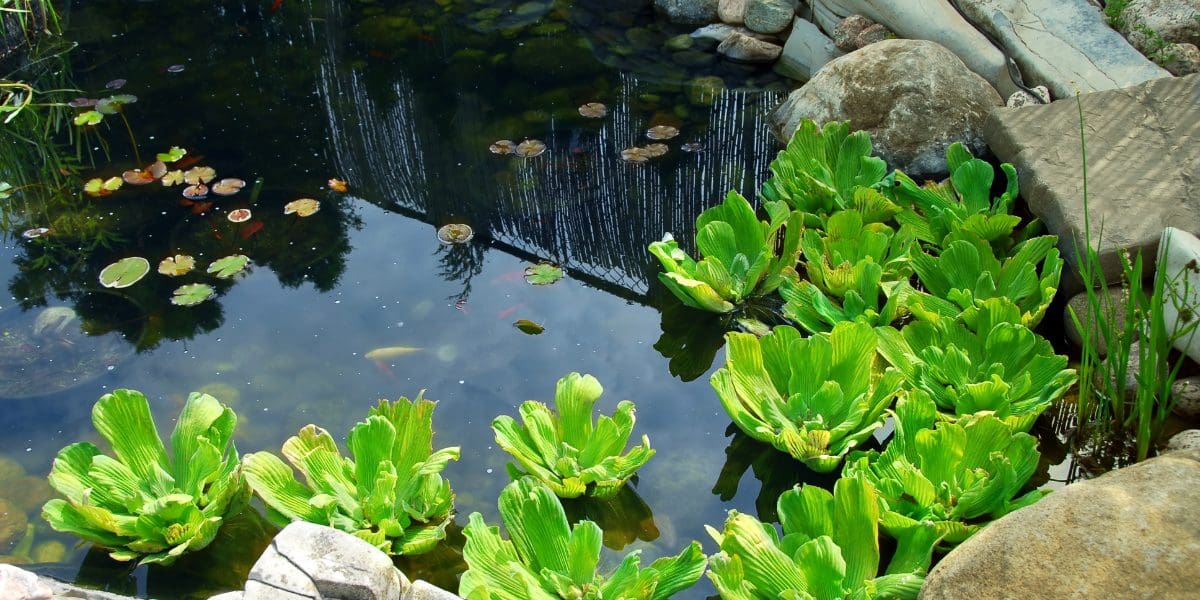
point(821, 170)
point(957, 475)
point(960, 205)
point(739, 261)
point(547, 559)
point(569, 452)
point(143, 504)
point(967, 271)
point(984, 361)
point(391, 494)
point(814, 398)
point(829, 549)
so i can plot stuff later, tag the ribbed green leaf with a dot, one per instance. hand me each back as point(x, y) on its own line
point(275, 483)
point(123, 419)
point(536, 524)
point(679, 572)
point(574, 397)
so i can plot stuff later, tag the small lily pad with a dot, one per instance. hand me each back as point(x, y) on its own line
point(157, 169)
point(172, 155)
point(530, 148)
point(636, 154)
point(137, 177)
point(172, 178)
point(124, 272)
point(662, 132)
point(6, 190)
point(198, 175)
point(338, 185)
point(102, 187)
point(227, 267)
point(174, 266)
point(175, 69)
point(593, 110)
point(191, 294)
point(455, 233)
point(195, 192)
point(543, 274)
point(656, 150)
point(228, 186)
point(503, 147)
point(529, 327)
point(240, 215)
point(115, 84)
point(692, 147)
point(34, 233)
point(303, 207)
point(89, 117)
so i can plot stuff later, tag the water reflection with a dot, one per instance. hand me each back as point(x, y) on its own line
point(776, 472)
point(624, 518)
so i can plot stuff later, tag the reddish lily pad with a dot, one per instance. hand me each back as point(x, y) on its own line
point(195, 192)
point(102, 187)
point(137, 177)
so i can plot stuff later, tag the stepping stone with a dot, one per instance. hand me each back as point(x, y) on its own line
point(1143, 147)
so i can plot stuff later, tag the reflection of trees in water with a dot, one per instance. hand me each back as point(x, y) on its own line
point(461, 263)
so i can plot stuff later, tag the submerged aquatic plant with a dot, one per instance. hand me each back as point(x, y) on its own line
point(957, 475)
point(814, 398)
point(143, 505)
point(568, 451)
point(545, 558)
point(829, 549)
point(391, 494)
point(740, 256)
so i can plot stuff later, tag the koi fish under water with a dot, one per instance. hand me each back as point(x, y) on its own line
point(390, 352)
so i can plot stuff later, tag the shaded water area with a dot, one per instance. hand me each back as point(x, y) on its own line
point(402, 100)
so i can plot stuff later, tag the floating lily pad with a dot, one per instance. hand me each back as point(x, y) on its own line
point(543, 274)
point(228, 186)
point(137, 177)
point(692, 147)
point(228, 266)
point(89, 117)
point(527, 326)
point(172, 178)
point(656, 150)
point(593, 110)
point(303, 207)
point(175, 69)
point(191, 294)
point(102, 187)
point(174, 266)
point(124, 272)
point(6, 190)
point(530, 148)
point(115, 84)
point(503, 147)
point(455, 233)
point(198, 175)
point(81, 102)
point(113, 104)
point(240, 215)
point(338, 185)
point(36, 232)
point(157, 169)
point(662, 132)
point(172, 155)
point(636, 154)
point(195, 192)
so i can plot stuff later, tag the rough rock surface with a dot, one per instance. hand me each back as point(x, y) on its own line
point(732, 11)
point(688, 12)
point(19, 584)
point(1179, 263)
point(933, 20)
point(1186, 392)
point(769, 16)
point(1181, 59)
point(743, 48)
point(1188, 439)
point(1112, 299)
point(1143, 164)
point(1063, 44)
point(1147, 21)
point(1020, 98)
point(914, 97)
point(806, 51)
point(1131, 533)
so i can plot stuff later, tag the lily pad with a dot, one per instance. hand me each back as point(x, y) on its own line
point(455, 233)
point(593, 110)
point(137, 177)
point(503, 147)
point(174, 266)
point(172, 178)
point(543, 274)
point(228, 266)
point(662, 132)
point(530, 148)
point(191, 294)
point(692, 147)
point(198, 175)
point(240, 215)
point(115, 84)
point(175, 69)
point(636, 154)
point(157, 169)
point(304, 207)
point(656, 150)
point(102, 187)
point(36, 232)
point(6, 189)
point(172, 155)
point(338, 185)
point(124, 272)
point(195, 192)
point(228, 186)
point(529, 327)
point(89, 117)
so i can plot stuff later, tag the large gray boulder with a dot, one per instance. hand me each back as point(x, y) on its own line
point(806, 51)
point(1063, 44)
point(914, 97)
point(1143, 150)
point(1145, 22)
point(1132, 533)
point(688, 12)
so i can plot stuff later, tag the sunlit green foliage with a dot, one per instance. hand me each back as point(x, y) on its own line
point(821, 169)
point(568, 451)
point(391, 494)
point(546, 559)
point(145, 505)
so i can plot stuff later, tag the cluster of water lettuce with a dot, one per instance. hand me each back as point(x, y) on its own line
point(918, 302)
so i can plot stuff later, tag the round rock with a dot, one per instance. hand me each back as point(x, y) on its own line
point(769, 16)
point(1186, 392)
point(688, 12)
point(1188, 439)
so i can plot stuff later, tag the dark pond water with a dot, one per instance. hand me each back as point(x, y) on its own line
point(402, 100)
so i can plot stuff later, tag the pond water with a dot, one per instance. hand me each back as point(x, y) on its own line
point(402, 100)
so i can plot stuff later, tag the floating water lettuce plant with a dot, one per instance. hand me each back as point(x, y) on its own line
point(821, 168)
point(143, 504)
point(814, 398)
point(543, 274)
point(949, 473)
point(228, 266)
point(304, 207)
point(829, 549)
point(174, 266)
point(192, 294)
point(545, 558)
point(98, 187)
point(567, 451)
point(739, 255)
point(124, 272)
point(986, 360)
point(390, 494)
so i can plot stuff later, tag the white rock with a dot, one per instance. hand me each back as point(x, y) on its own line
point(312, 561)
point(743, 48)
point(1147, 21)
point(806, 50)
point(732, 12)
point(1188, 439)
point(718, 32)
point(19, 584)
point(1186, 392)
point(1178, 260)
point(1021, 98)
